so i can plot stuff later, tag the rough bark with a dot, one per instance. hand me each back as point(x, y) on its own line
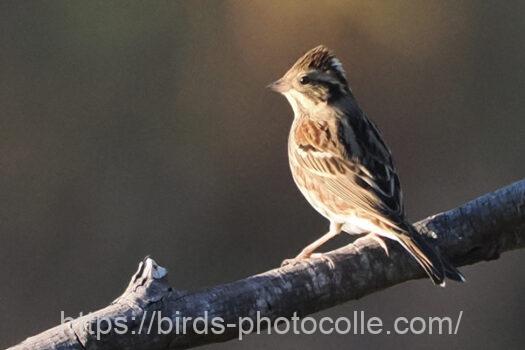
point(476, 231)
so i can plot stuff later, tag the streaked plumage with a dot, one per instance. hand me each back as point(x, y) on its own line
point(341, 164)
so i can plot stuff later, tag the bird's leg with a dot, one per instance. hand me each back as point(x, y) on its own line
point(335, 229)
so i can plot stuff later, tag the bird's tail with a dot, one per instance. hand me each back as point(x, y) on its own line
point(451, 271)
point(436, 266)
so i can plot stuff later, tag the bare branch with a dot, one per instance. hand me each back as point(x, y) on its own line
point(479, 230)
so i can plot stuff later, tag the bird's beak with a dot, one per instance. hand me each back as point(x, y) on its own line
point(280, 86)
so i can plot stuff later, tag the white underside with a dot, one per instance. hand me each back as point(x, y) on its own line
point(358, 225)
point(354, 225)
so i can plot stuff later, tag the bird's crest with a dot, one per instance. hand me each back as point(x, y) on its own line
point(322, 59)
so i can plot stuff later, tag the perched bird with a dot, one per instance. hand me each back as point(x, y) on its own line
point(342, 165)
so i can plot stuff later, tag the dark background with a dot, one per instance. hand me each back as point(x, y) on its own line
point(135, 128)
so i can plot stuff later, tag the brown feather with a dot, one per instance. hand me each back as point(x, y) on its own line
point(340, 162)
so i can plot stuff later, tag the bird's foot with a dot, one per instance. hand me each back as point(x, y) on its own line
point(328, 260)
point(303, 258)
point(291, 262)
point(381, 242)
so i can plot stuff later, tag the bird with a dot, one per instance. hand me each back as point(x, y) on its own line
point(342, 166)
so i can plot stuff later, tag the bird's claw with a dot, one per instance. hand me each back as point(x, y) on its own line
point(299, 259)
point(291, 262)
point(324, 258)
point(381, 242)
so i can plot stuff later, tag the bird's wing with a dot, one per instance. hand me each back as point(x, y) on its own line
point(351, 162)
point(356, 168)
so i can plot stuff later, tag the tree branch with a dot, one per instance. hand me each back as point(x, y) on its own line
point(478, 230)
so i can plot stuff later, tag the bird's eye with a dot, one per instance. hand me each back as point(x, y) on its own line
point(304, 80)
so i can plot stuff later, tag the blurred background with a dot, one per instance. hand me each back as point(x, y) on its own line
point(135, 128)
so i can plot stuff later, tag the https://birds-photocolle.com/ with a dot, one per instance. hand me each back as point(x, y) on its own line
point(343, 167)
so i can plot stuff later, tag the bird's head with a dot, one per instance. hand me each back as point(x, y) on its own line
point(317, 77)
